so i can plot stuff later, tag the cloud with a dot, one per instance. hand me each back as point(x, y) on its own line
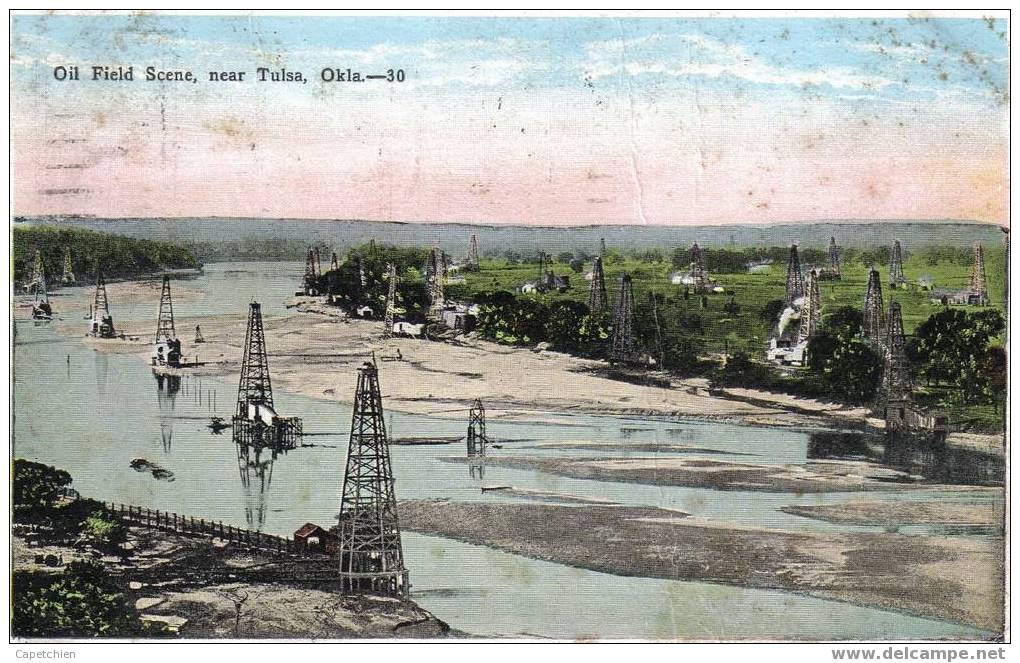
point(690, 55)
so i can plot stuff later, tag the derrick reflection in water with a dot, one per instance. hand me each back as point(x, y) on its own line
point(256, 467)
point(934, 462)
point(167, 387)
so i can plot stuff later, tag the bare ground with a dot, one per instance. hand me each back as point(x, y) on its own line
point(960, 514)
point(955, 579)
point(811, 477)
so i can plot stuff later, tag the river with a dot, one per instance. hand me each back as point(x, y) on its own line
point(91, 413)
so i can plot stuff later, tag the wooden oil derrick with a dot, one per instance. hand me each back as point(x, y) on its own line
point(602, 247)
point(624, 347)
point(896, 277)
point(32, 285)
point(318, 262)
point(476, 438)
point(874, 309)
point(391, 302)
point(334, 262)
point(101, 324)
point(310, 284)
point(977, 293)
point(198, 334)
point(371, 557)
point(794, 278)
point(471, 263)
point(41, 308)
point(255, 422)
point(434, 274)
point(68, 277)
point(165, 322)
point(833, 271)
point(598, 303)
point(896, 390)
point(699, 272)
point(811, 311)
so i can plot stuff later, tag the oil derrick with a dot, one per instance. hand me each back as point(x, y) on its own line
point(255, 421)
point(165, 323)
point(699, 273)
point(371, 557)
point(476, 438)
point(101, 324)
point(598, 303)
point(318, 263)
point(794, 278)
point(602, 247)
point(198, 334)
point(472, 254)
point(624, 347)
point(896, 387)
point(32, 286)
point(68, 276)
point(391, 302)
point(310, 287)
point(811, 312)
point(434, 284)
point(896, 277)
point(874, 309)
point(41, 309)
point(833, 272)
point(978, 291)
point(334, 262)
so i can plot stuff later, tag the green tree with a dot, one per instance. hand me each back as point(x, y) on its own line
point(847, 364)
point(37, 488)
point(948, 347)
point(82, 602)
point(103, 533)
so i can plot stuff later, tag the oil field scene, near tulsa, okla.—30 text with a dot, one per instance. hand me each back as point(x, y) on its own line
point(513, 327)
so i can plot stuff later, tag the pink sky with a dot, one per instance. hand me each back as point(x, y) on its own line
point(508, 156)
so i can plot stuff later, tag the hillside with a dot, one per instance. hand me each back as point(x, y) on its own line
point(116, 255)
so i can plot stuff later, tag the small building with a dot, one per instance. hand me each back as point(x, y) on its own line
point(365, 312)
point(529, 288)
point(314, 538)
point(459, 318)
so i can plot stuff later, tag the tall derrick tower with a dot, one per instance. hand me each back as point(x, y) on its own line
point(873, 324)
point(699, 273)
point(434, 274)
point(41, 308)
point(624, 346)
point(165, 322)
point(602, 247)
point(471, 263)
point(896, 277)
point(794, 278)
point(371, 557)
point(32, 286)
point(318, 262)
point(101, 324)
point(977, 293)
point(833, 271)
point(811, 312)
point(896, 385)
point(310, 282)
point(334, 262)
point(476, 438)
point(68, 277)
point(598, 303)
point(391, 302)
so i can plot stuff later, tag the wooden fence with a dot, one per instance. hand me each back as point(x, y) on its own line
point(171, 522)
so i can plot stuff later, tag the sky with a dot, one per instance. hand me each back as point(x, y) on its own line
point(545, 121)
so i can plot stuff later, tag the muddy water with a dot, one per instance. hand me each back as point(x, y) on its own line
point(92, 414)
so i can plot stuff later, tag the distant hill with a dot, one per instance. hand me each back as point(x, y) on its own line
point(116, 256)
point(288, 237)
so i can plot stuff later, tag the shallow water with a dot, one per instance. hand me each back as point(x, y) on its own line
point(93, 413)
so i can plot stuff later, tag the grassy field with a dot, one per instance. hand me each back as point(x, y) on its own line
point(746, 330)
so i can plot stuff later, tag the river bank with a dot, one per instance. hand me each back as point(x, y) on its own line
point(947, 578)
point(200, 588)
point(315, 354)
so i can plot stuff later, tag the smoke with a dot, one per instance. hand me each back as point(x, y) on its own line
point(788, 314)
